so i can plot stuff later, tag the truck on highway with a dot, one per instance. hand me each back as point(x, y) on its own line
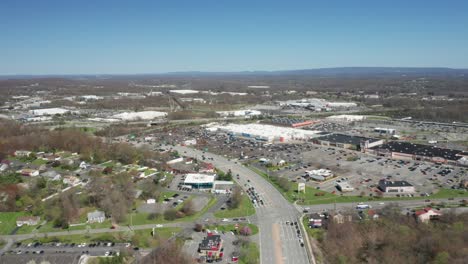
point(363, 206)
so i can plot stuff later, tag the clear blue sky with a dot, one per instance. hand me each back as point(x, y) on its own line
point(111, 36)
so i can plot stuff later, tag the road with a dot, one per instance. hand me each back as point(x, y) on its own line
point(378, 204)
point(278, 244)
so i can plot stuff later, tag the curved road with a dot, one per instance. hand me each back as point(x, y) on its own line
point(278, 241)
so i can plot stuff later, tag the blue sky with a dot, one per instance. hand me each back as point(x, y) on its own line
point(111, 36)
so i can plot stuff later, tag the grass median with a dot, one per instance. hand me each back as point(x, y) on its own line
point(245, 209)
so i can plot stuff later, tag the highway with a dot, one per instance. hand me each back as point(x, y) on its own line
point(278, 242)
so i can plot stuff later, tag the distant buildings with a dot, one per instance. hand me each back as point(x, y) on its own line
point(49, 111)
point(143, 115)
point(238, 113)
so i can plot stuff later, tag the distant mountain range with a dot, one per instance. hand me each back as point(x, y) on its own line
point(340, 71)
point(325, 72)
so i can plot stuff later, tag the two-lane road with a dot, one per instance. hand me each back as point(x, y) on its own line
point(279, 243)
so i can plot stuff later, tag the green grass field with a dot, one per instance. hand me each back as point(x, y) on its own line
point(245, 209)
point(250, 254)
point(142, 218)
point(8, 221)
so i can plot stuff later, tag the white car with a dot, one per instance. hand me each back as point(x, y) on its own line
point(107, 253)
point(225, 220)
point(159, 226)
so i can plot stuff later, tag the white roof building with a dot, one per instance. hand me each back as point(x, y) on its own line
point(347, 118)
point(184, 91)
point(239, 113)
point(49, 111)
point(143, 115)
point(263, 132)
point(199, 180)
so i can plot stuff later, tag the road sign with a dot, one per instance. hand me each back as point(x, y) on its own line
point(301, 187)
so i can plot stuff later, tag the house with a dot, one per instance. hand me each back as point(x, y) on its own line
point(341, 219)
point(22, 153)
point(207, 168)
point(28, 172)
point(96, 217)
point(4, 167)
point(52, 175)
point(315, 221)
point(395, 186)
point(27, 220)
point(84, 165)
point(211, 247)
point(372, 214)
point(71, 180)
point(427, 214)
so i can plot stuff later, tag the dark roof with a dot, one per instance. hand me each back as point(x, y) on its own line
point(421, 150)
point(346, 139)
point(385, 183)
point(210, 242)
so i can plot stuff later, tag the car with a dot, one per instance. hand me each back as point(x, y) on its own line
point(107, 253)
point(159, 226)
point(225, 220)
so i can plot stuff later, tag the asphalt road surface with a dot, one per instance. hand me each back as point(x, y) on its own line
point(277, 245)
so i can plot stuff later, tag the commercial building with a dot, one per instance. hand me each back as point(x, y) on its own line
point(386, 131)
point(344, 186)
point(396, 187)
point(199, 181)
point(411, 151)
point(292, 122)
point(265, 133)
point(346, 118)
point(211, 248)
point(222, 186)
point(347, 141)
point(245, 113)
point(49, 111)
point(320, 174)
point(143, 115)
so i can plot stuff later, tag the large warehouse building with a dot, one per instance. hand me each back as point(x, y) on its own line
point(266, 133)
point(411, 151)
point(347, 141)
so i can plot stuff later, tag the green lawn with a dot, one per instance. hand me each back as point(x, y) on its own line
point(39, 162)
point(8, 221)
point(245, 209)
point(140, 238)
point(231, 227)
point(142, 218)
point(313, 196)
point(250, 254)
